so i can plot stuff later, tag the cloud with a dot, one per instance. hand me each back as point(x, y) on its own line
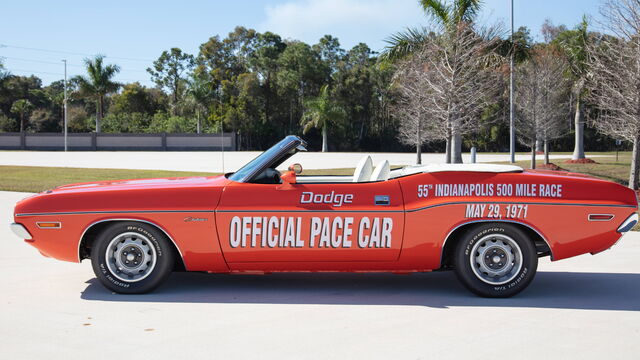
point(351, 21)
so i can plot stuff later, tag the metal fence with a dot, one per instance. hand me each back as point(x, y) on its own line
point(123, 142)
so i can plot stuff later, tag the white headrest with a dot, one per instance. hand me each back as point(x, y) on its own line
point(381, 172)
point(363, 170)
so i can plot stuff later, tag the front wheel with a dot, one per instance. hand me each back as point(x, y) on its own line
point(131, 257)
point(496, 260)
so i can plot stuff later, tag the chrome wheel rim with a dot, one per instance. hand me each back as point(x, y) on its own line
point(131, 257)
point(496, 259)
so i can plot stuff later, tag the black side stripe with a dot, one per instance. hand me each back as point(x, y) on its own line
point(323, 211)
point(116, 212)
point(519, 203)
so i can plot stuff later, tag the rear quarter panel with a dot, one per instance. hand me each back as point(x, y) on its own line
point(557, 208)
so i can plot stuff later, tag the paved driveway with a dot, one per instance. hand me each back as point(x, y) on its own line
point(587, 307)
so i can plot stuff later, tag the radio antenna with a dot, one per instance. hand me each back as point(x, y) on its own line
point(222, 145)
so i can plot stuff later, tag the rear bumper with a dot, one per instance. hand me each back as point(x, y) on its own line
point(628, 224)
point(20, 231)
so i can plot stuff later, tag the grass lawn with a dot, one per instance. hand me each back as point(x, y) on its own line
point(36, 179)
point(606, 167)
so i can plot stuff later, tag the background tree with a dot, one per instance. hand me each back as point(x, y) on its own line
point(3, 72)
point(550, 31)
point(615, 78)
point(445, 14)
point(413, 106)
point(540, 101)
point(169, 71)
point(23, 109)
point(199, 95)
point(97, 83)
point(301, 75)
point(356, 89)
point(320, 113)
point(264, 62)
point(574, 43)
point(135, 98)
point(455, 70)
point(453, 20)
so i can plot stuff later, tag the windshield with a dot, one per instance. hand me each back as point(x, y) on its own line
point(266, 159)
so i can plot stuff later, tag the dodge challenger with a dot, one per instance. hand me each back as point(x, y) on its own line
point(488, 223)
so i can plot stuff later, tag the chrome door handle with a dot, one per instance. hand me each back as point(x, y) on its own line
point(382, 200)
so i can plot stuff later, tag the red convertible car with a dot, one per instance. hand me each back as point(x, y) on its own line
point(488, 223)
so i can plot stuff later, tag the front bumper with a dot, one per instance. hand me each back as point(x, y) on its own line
point(20, 231)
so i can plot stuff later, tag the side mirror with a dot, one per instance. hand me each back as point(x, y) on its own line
point(289, 177)
point(296, 168)
point(288, 180)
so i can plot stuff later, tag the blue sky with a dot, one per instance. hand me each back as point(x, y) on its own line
point(133, 33)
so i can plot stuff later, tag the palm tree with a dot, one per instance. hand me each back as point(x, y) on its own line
point(97, 84)
point(22, 108)
point(449, 17)
point(575, 43)
point(446, 15)
point(321, 112)
point(199, 94)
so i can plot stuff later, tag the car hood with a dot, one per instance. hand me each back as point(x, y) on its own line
point(179, 194)
point(157, 183)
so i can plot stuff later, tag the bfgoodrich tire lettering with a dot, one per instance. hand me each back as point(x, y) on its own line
point(495, 260)
point(131, 257)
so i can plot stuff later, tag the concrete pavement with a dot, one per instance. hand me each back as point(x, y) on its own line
point(212, 161)
point(586, 307)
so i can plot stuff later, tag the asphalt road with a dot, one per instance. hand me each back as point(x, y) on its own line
point(212, 161)
point(587, 307)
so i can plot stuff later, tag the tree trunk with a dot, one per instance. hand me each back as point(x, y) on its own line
point(546, 152)
point(419, 144)
point(533, 155)
point(267, 98)
point(290, 117)
point(578, 151)
point(539, 145)
point(21, 123)
point(199, 125)
point(447, 154)
point(361, 132)
point(635, 164)
point(175, 98)
point(99, 113)
point(324, 139)
point(456, 149)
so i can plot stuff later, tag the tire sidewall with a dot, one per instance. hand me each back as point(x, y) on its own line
point(520, 281)
point(164, 258)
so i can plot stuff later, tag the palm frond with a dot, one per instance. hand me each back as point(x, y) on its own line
point(404, 43)
point(438, 10)
point(466, 10)
point(98, 79)
point(321, 111)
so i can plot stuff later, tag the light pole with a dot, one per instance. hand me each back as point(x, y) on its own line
point(512, 127)
point(65, 104)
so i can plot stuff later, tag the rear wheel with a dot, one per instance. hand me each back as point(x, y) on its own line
point(131, 257)
point(496, 260)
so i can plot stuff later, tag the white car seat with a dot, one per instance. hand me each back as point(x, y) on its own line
point(363, 170)
point(382, 172)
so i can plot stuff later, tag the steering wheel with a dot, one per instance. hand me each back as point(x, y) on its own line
point(269, 176)
point(275, 176)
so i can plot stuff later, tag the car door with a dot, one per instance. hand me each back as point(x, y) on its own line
point(342, 222)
